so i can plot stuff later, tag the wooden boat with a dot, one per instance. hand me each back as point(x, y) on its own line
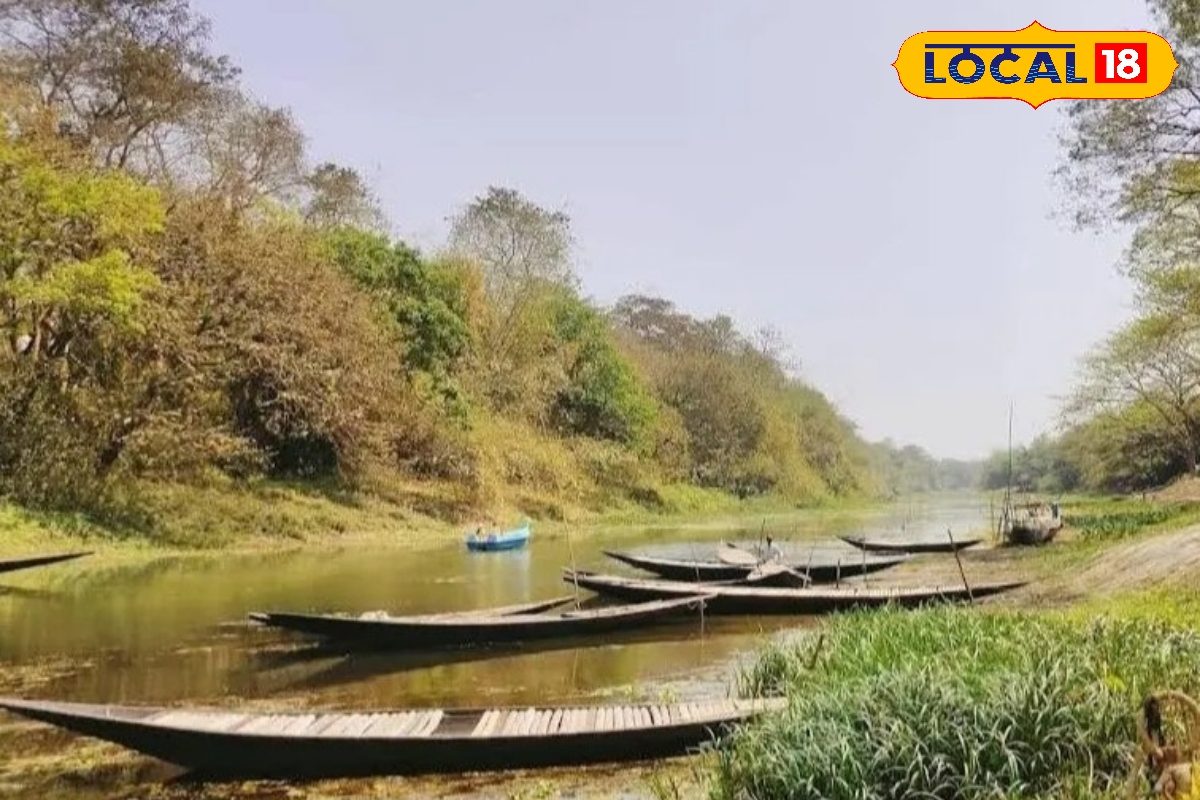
point(326, 744)
point(14, 564)
point(479, 628)
point(710, 571)
point(536, 607)
point(912, 548)
point(480, 542)
point(729, 599)
point(1031, 523)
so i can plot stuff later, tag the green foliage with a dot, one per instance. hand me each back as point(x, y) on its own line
point(951, 704)
point(1124, 519)
point(748, 426)
point(67, 237)
point(1043, 466)
point(1136, 409)
point(426, 299)
point(184, 298)
point(603, 396)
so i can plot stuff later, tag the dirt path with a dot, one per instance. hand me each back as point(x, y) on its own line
point(1141, 563)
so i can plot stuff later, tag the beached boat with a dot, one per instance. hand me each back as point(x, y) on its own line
point(911, 547)
point(732, 599)
point(14, 564)
point(677, 569)
point(220, 742)
point(1031, 523)
point(470, 629)
point(479, 541)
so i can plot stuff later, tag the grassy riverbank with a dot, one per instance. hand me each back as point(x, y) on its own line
point(266, 514)
point(949, 703)
point(1015, 701)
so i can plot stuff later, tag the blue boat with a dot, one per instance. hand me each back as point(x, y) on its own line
point(498, 540)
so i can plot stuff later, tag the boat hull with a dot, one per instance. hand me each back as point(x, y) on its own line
point(913, 548)
point(466, 630)
point(494, 543)
point(755, 600)
point(451, 747)
point(710, 571)
point(1029, 535)
point(14, 564)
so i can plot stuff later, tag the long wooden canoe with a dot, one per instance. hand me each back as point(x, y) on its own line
point(884, 546)
point(727, 599)
point(708, 571)
point(536, 607)
point(483, 628)
point(327, 744)
point(14, 564)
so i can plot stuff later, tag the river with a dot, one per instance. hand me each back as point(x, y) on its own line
point(173, 629)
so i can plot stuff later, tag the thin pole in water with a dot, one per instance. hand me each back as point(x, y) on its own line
point(574, 568)
point(696, 562)
point(961, 571)
point(838, 578)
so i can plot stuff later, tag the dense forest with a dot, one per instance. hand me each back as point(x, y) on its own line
point(186, 300)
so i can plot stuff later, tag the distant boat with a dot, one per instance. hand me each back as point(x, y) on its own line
point(312, 743)
point(1030, 523)
point(14, 564)
point(481, 542)
point(913, 547)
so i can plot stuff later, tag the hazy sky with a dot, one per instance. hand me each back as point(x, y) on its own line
point(754, 158)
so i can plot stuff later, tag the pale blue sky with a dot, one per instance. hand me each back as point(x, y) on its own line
point(756, 158)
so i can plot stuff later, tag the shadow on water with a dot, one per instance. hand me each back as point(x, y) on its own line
point(327, 665)
point(31, 594)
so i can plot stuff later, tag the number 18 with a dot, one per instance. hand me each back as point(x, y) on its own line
point(1120, 63)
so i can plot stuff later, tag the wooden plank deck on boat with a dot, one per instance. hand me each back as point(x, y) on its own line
point(14, 564)
point(733, 599)
point(709, 571)
point(329, 744)
point(471, 629)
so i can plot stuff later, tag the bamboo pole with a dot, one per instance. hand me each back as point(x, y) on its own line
point(961, 571)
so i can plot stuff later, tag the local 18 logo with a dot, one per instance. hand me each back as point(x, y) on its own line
point(1035, 65)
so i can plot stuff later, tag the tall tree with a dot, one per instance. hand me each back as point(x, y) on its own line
point(339, 197)
point(1139, 162)
point(519, 243)
point(245, 152)
point(1154, 361)
point(118, 73)
point(69, 240)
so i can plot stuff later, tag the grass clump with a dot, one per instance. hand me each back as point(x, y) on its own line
point(946, 704)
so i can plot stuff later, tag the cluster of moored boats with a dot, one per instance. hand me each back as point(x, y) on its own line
point(311, 743)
